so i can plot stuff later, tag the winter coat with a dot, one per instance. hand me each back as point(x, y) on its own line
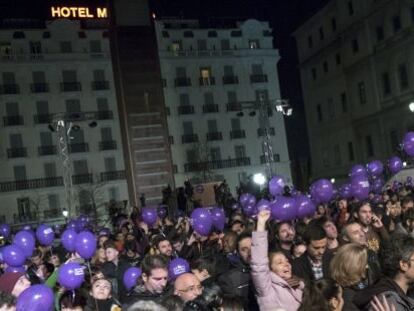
point(302, 268)
point(271, 290)
point(141, 293)
point(115, 273)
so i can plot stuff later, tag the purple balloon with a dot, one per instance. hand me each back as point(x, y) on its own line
point(263, 204)
point(305, 206)
point(149, 215)
point(249, 210)
point(276, 185)
point(408, 143)
point(15, 269)
point(71, 275)
point(285, 209)
point(377, 185)
point(85, 244)
point(25, 241)
point(5, 230)
point(162, 211)
point(13, 256)
point(45, 235)
point(375, 167)
point(395, 165)
point(235, 206)
point(131, 277)
point(357, 170)
point(244, 199)
point(36, 298)
point(323, 190)
point(409, 179)
point(360, 188)
point(68, 239)
point(201, 221)
point(218, 217)
point(177, 267)
point(74, 225)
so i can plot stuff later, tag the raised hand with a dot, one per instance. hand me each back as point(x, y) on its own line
point(262, 218)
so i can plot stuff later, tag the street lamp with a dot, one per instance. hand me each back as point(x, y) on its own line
point(259, 179)
point(411, 106)
point(333, 180)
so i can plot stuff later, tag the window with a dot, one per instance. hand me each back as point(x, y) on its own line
point(50, 170)
point(235, 124)
point(403, 76)
point(325, 157)
point(215, 154)
point(310, 42)
point(212, 34)
point(350, 8)
point(106, 134)
point(176, 46)
point(380, 33)
point(35, 47)
point(321, 33)
point(12, 109)
point(212, 126)
point(325, 66)
point(72, 105)
point(165, 34)
point(113, 194)
point(236, 33)
point(95, 46)
point(394, 140)
point(344, 103)
point(46, 35)
point(65, 47)
point(53, 200)
point(9, 78)
point(396, 23)
point(228, 71)
point(240, 151)
point(19, 172)
point(386, 84)
point(19, 35)
point(254, 44)
point(23, 207)
point(188, 34)
point(313, 73)
point(412, 13)
point(46, 139)
point(362, 93)
point(337, 155)
point(102, 104)
point(338, 58)
point(42, 107)
point(257, 69)
point(331, 108)
point(5, 50)
point(201, 45)
point(333, 24)
point(180, 72)
point(184, 99)
point(208, 99)
point(39, 77)
point(78, 137)
point(110, 164)
point(355, 46)
point(81, 34)
point(351, 155)
point(188, 128)
point(225, 44)
point(99, 75)
point(69, 76)
point(319, 112)
point(80, 167)
point(369, 146)
point(231, 97)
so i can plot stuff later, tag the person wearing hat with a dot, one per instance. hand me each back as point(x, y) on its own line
point(14, 283)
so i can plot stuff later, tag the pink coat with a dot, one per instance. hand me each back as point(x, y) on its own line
point(271, 290)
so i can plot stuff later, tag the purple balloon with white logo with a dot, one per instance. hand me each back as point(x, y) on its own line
point(45, 235)
point(71, 275)
point(177, 267)
point(37, 297)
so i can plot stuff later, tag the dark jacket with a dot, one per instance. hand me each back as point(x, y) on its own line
point(348, 296)
point(115, 273)
point(101, 305)
point(302, 267)
point(140, 293)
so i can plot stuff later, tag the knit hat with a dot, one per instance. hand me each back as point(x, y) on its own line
point(8, 280)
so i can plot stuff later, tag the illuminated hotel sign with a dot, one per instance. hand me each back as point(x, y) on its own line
point(78, 12)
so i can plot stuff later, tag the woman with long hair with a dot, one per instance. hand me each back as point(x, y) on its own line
point(322, 295)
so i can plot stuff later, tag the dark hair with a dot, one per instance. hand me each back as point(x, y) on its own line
point(231, 303)
point(156, 240)
point(172, 302)
point(313, 232)
point(317, 294)
point(72, 299)
point(36, 253)
point(207, 263)
point(357, 206)
point(408, 215)
point(109, 244)
point(390, 255)
point(279, 225)
point(7, 300)
point(242, 236)
point(197, 304)
point(152, 262)
point(131, 245)
point(407, 199)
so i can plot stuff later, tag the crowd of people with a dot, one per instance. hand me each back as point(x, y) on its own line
point(348, 255)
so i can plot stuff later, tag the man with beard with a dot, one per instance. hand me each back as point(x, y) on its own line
point(331, 233)
point(285, 235)
point(163, 246)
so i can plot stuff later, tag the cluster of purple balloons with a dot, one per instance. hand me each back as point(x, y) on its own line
point(84, 243)
point(150, 214)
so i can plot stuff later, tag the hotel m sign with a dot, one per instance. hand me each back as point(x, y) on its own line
point(78, 12)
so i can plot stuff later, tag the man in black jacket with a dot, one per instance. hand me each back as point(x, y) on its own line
point(314, 263)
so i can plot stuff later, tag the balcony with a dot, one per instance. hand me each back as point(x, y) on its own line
point(39, 87)
point(105, 115)
point(107, 145)
point(258, 78)
point(52, 213)
point(100, 85)
point(234, 107)
point(43, 118)
point(217, 164)
point(211, 108)
point(13, 120)
point(230, 80)
point(47, 150)
point(70, 86)
point(206, 81)
point(185, 109)
point(189, 138)
point(16, 153)
point(9, 89)
point(276, 158)
point(81, 147)
point(237, 134)
point(214, 136)
point(31, 184)
point(261, 131)
point(82, 179)
point(115, 175)
point(178, 82)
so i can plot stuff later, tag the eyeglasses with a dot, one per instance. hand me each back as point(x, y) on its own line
point(198, 288)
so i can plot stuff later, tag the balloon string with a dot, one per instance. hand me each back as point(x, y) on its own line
point(88, 263)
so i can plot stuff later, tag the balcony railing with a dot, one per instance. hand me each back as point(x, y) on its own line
point(233, 107)
point(115, 175)
point(217, 164)
point(31, 184)
point(81, 147)
point(9, 89)
point(230, 80)
point(189, 138)
point(47, 150)
point(214, 136)
point(182, 82)
point(70, 86)
point(100, 85)
point(258, 78)
point(39, 87)
point(105, 115)
point(185, 109)
point(52, 213)
point(82, 179)
point(211, 108)
point(236, 134)
point(43, 118)
point(13, 120)
point(207, 81)
point(107, 145)
point(276, 158)
point(261, 131)
point(16, 153)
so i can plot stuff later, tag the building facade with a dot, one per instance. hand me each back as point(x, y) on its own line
point(356, 63)
point(46, 69)
point(214, 82)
